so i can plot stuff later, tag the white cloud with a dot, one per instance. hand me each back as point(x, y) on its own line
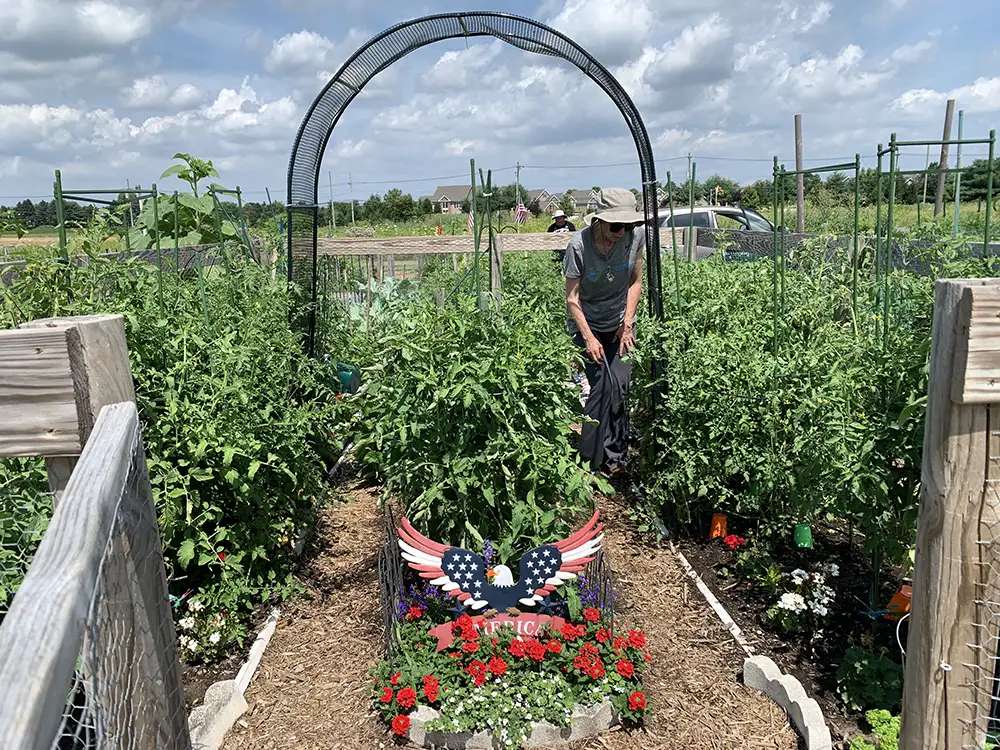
point(830, 79)
point(611, 30)
point(820, 15)
point(305, 53)
point(348, 149)
point(9, 167)
point(457, 147)
point(911, 53)
point(462, 68)
point(982, 95)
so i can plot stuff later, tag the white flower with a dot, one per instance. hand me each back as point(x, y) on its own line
point(898, 463)
point(792, 602)
point(183, 640)
point(192, 645)
point(799, 576)
point(214, 638)
point(186, 623)
point(834, 570)
point(195, 606)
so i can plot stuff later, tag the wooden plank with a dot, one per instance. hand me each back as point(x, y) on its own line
point(420, 245)
point(39, 393)
point(976, 378)
point(51, 606)
point(949, 658)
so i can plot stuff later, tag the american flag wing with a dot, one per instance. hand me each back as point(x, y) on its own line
point(520, 214)
point(568, 557)
point(455, 570)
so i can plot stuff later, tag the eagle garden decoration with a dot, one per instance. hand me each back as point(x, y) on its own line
point(463, 574)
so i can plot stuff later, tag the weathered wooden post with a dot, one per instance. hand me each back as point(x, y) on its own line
point(55, 375)
point(97, 585)
point(955, 621)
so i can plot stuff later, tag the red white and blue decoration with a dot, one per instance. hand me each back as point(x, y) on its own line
point(463, 573)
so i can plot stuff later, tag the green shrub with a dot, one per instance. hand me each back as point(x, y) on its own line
point(885, 727)
point(466, 418)
point(236, 421)
point(869, 679)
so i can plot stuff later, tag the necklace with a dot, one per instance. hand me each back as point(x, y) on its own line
point(607, 260)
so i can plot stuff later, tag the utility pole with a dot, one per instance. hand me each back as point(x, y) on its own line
point(350, 181)
point(333, 222)
point(800, 180)
point(943, 162)
point(689, 166)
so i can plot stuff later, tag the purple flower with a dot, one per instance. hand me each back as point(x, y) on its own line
point(489, 553)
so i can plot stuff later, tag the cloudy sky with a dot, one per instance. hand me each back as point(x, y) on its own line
point(109, 90)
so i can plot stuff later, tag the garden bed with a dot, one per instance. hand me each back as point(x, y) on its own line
point(813, 662)
point(312, 690)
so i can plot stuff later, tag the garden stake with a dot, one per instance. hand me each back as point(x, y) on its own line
point(673, 239)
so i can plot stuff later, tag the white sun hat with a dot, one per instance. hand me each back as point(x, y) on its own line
point(557, 214)
point(616, 205)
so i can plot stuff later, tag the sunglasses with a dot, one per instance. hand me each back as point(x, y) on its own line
point(615, 226)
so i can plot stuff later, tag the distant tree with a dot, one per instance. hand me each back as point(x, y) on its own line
point(426, 207)
point(373, 208)
point(25, 212)
point(974, 180)
point(749, 197)
point(720, 189)
point(568, 203)
point(596, 188)
point(398, 206)
point(683, 196)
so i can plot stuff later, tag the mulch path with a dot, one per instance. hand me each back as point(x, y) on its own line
point(311, 691)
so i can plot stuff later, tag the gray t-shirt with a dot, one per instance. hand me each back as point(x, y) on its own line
point(604, 280)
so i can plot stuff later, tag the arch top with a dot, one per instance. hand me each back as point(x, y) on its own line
point(390, 46)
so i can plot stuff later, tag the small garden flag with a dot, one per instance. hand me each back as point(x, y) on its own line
point(520, 214)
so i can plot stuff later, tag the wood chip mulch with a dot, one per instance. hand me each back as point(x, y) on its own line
point(311, 691)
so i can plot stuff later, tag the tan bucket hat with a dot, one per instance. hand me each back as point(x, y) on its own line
point(616, 205)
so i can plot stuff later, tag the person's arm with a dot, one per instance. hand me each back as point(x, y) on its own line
point(594, 349)
point(626, 332)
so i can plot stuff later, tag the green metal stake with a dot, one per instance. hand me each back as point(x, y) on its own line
point(878, 236)
point(243, 223)
point(774, 255)
point(857, 247)
point(475, 228)
point(218, 215)
point(159, 252)
point(989, 192)
point(177, 239)
point(691, 241)
point(201, 287)
point(888, 241)
point(60, 214)
point(673, 240)
point(958, 175)
point(781, 268)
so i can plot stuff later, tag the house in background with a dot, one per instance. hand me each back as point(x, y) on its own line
point(448, 199)
point(584, 200)
point(544, 201)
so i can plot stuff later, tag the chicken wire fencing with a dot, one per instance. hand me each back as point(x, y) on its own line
point(88, 654)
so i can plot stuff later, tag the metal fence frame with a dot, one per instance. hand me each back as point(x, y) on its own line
point(88, 653)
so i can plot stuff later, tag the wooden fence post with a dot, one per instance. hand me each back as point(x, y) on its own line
point(951, 645)
point(40, 414)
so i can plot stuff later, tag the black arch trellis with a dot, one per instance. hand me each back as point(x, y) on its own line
point(394, 44)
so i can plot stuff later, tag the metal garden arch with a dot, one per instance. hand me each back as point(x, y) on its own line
point(394, 44)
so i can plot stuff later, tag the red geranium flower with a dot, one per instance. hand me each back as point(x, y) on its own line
point(407, 697)
point(571, 632)
point(619, 643)
point(470, 647)
point(478, 671)
point(536, 650)
point(646, 656)
point(734, 542)
point(592, 614)
point(603, 636)
point(637, 701)
point(626, 669)
point(222, 556)
point(386, 695)
point(415, 612)
point(401, 725)
point(636, 639)
point(518, 648)
point(497, 666)
point(395, 678)
point(596, 670)
point(431, 687)
point(554, 646)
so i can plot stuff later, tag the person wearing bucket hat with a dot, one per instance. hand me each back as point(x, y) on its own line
point(603, 269)
point(560, 223)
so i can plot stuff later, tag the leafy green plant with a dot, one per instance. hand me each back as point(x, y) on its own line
point(463, 417)
point(25, 507)
point(885, 727)
point(237, 423)
point(869, 678)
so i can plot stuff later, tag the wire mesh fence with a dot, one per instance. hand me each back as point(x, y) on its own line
point(88, 654)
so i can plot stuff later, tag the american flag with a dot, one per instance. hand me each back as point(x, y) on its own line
point(520, 214)
point(472, 218)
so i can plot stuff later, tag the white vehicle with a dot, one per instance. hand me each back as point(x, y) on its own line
point(715, 217)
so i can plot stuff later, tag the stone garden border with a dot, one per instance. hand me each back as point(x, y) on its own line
point(586, 721)
point(761, 673)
